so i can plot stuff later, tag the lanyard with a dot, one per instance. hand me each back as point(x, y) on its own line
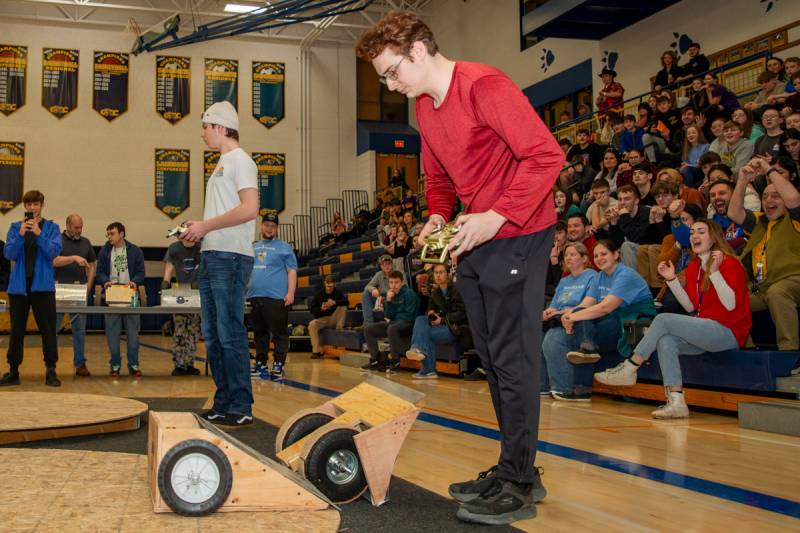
point(699, 286)
point(761, 262)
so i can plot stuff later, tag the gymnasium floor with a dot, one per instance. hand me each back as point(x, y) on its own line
point(608, 466)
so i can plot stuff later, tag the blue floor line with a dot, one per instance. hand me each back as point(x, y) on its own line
point(681, 481)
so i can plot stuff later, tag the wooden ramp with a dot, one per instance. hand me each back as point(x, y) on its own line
point(52, 415)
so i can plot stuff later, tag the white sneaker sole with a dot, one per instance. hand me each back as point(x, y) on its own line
point(415, 356)
point(580, 358)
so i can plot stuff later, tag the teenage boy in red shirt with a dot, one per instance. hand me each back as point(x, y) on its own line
point(483, 143)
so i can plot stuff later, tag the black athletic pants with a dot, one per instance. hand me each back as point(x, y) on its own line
point(502, 284)
point(44, 311)
point(270, 318)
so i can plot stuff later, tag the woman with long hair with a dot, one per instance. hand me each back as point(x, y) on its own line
point(670, 71)
point(694, 146)
point(609, 168)
point(564, 206)
point(750, 130)
point(716, 293)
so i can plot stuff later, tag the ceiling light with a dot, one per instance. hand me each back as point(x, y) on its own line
point(241, 8)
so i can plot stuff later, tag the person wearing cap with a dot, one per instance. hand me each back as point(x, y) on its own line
point(226, 261)
point(377, 287)
point(271, 293)
point(610, 96)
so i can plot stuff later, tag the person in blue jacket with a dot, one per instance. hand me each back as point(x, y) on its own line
point(32, 244)
point(121, 263)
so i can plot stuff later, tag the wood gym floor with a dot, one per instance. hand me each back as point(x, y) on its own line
point(608, 466)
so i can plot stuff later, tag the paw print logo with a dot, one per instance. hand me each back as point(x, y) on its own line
point(681, 43)
point(610, 59)
point(547, 58)
point(770, 4)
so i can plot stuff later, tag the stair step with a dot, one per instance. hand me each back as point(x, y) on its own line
point(788, 384)
point(773, 417)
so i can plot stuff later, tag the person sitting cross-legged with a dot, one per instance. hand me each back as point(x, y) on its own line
point(445, 322)
point(329, 307)
point(716, 292)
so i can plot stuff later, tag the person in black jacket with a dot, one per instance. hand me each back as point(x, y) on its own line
point(329, 307)
point(670, 71)
point(696, 62)
point(445, 322)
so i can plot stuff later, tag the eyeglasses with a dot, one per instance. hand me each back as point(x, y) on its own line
point(391, 72)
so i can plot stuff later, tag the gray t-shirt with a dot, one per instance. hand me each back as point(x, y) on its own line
point(120, 275)
point(74, 273)
point(186, 261)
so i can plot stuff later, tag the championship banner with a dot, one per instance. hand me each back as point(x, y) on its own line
point(13, 68)
point(110, 93)
point(268, 92)
point(172, 181)
point(172, 87)
point(60, 80)
point(222, 81)
point(12, 172)
point(271, 182)
point(210, 160)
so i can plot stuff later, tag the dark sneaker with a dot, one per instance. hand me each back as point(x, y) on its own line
point(192, 371)
point(372, 365)
point(256, 369)
point(317, 355)
point(9, 379)
point(477, 375)
point(82, 371)
point(234, 420)
point(380, 368)
point(572, 396)
point(395, 364)
point(277, 370)
point(50, 378)
point(503, 502)
point(179, 371)
point(134, 371)
point(469, 490)
point(212, 416)
point(114, 372)
point(584, 355)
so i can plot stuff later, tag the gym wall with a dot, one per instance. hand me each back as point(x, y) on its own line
point(105, 170)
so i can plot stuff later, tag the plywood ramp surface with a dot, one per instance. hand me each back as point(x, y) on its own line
point(41, 410)
point(66, 490)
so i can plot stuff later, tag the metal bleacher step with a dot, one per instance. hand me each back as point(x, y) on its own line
point(773, 417)
point(788, 384)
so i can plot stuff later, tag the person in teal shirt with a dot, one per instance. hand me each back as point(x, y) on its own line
point(400, 309)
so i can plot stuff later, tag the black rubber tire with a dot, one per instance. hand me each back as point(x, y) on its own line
point(171, 458)
point(317, 460)
point(303, 427)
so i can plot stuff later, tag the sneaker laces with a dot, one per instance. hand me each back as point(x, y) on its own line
point(486, 473)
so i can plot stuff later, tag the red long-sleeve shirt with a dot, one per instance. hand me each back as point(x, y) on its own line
point(486, 144)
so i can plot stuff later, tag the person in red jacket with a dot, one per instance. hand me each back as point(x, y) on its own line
point(716, 294)
point(483, 143)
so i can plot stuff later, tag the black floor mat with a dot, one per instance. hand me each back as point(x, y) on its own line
point(410, 508)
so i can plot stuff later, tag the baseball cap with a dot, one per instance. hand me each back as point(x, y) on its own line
point(384, 257)
point(223, 114)
point(270, 217)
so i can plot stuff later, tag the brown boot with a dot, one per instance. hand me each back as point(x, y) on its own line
point(82, 371)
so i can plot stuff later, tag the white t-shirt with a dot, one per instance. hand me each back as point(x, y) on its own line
point(119, 265)
point(235, 171)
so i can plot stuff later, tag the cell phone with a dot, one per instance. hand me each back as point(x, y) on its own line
point(28, 215)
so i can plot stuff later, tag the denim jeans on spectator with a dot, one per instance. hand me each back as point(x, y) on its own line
point(564, 376)
point(367, 303)
point(78, 325)
point(113, 332)
point(222, 281)
point(672, 335)
point(426, 337)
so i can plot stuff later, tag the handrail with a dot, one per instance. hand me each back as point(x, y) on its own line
point(673, 86)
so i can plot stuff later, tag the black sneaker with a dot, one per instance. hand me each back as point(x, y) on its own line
point(317, 355)
point(50, 378)
point(179, 371)
point(477, 375)
point(372, 365)
point(277, 371)
point(572, 396)
point(380, 367)
point(9, 379)
point(192, 371)
point(234, 420)
point(503, 502)
point(394, 364)
point(212, 416)
point(469, 490)
point(256, 369)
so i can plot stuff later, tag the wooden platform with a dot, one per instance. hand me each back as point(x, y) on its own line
point(51, 415)
point(66, 490)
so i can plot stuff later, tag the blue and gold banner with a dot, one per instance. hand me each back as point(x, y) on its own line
point(210, 160)
point(60, 80)
point(271, 182)
point(12, 174)
point(173, 78)
point(110, 92)
point(269, 84)
point(13, 71)
point(172, 181)
point(222, 81)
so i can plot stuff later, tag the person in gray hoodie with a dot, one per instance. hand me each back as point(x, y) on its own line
point(735, 151)
point(378, 286)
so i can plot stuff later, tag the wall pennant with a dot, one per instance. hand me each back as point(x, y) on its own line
point(172, 181)
point(271, 182)
point(60, 80)
point(173, 81)
point(269, 85)
point(13, 72)
point(222, 81)
point(110, 91)
point(12, 174)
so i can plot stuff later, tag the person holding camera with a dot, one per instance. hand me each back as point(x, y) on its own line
point(444, 323)
point(32, 244)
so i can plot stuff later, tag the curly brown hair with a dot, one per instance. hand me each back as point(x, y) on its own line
point(398, 30)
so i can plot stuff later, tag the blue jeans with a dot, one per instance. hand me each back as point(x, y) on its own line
point(222, 281)
point(601, 334)
point(78, 324)
point(425, 338)
point(673, 334)
point(113, 332)
point(367, 303)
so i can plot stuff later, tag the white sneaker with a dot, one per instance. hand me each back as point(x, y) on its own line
point(622, 375)
point(415, 355)
point(675, 408)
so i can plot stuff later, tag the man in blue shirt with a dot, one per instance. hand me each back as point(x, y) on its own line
point(271, 293)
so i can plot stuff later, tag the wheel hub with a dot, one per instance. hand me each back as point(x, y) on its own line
point(342, 467)
point(195, 478)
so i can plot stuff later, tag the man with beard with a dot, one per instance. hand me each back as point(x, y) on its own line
point(720, 193)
